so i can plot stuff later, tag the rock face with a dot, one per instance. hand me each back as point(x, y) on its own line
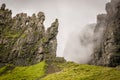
point(107, 50)
point(23, 39)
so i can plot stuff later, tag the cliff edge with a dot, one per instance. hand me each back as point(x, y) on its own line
point(107, 46)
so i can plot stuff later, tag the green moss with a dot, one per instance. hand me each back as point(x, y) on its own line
point(36, 33)
point(72, 71)
point(11, 34)
point(23, 35)
point(44, 39)
point(24, 73)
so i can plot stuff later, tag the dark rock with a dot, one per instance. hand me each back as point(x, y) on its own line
point(107, 52)
point(3, 7)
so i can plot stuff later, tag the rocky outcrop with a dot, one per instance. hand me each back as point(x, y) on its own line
point(107, 51)
point(24, 40)
point(51, 41)
point(98, 38)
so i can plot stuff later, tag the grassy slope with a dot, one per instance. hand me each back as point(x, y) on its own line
point(72, 71)
point(69, 71)
point(24, 73)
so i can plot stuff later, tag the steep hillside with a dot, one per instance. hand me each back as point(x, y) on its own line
point(60, 71)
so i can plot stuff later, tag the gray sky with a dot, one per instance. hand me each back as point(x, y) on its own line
point(72, 14)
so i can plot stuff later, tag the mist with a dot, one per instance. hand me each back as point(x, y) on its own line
point(73, 15)
point(80, 45)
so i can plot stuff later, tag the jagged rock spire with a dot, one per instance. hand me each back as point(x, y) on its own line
point(25, 40)
point(108, 52)
point(3, 6)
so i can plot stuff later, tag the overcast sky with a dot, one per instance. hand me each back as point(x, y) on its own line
point(72, 14)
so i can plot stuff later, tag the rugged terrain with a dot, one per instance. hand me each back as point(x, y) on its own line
point(107, 40)
point(24, 40)
point(28, 51)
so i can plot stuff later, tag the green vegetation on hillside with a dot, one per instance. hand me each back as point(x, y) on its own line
point(72, 71)
point(69, 71)
point(24, 73)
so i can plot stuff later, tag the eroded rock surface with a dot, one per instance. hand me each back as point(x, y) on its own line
point(23, 39)
point(107, 52)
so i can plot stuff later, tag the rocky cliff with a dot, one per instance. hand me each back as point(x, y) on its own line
point(24, 40)
point(107, 46)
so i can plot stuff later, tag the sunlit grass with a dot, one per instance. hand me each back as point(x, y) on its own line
point(25, 73)
point(69, 71)
point(72, 71)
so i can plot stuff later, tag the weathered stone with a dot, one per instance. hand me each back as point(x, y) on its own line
point(98, 38)
point(23, 39)
point(107, 53)
point(51, 41)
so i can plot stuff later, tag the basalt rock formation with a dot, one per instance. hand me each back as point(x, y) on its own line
point(107, 46)
point(24, 40)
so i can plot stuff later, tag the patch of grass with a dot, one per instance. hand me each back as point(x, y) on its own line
point(24, 73)
point(68, 71)
point(72, 71)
